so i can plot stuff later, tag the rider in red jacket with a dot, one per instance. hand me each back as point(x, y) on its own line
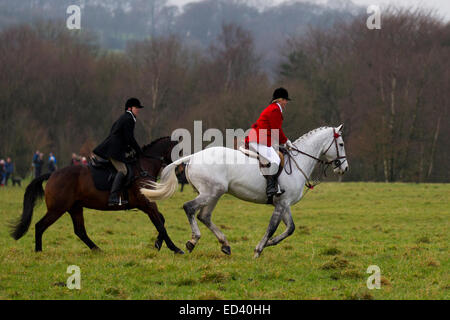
point(266, 132)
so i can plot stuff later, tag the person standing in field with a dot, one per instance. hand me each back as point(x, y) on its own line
point(9, 170)
point(38, 161)
point(2, 172)
point(75, 160)
point(51, 163)
point(35, 164)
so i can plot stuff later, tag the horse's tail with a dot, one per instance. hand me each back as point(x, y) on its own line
point(33, 192)
point(168, 185)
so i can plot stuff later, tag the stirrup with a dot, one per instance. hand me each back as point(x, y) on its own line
point(113, 201)
point(280, 191)
point(122, 202)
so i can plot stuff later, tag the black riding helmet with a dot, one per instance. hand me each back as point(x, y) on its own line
point(281, 93)
point(133, 102)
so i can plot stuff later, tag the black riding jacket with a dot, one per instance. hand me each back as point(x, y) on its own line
point(120, 143)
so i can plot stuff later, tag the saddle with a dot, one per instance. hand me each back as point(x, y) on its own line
point(103, 174)
point(252, 154)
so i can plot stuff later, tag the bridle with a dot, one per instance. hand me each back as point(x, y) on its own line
point(337, 162)
point(324, 164)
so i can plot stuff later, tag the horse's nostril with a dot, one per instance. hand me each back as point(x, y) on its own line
point(346, 169)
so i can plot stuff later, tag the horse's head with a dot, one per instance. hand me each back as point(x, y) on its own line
point(160, 149)
point(335, 151)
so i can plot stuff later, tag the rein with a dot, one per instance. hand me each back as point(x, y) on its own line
point(144, 173)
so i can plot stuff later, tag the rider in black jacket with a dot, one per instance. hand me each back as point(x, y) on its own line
point(121, 147)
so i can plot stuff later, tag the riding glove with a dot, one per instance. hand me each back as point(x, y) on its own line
point(289, 144)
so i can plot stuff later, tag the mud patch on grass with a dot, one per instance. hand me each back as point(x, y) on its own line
point(385, 281)
point(215, 277)
point(303, 230)
point(347, 274)
point(116, 293)
point(362, 294)
point(336, 263)
point(333, 251)
point(424, 239)
point(130, 264)
point(350, 254)
point(430, 262)
point(185, 282)
point(210, 295)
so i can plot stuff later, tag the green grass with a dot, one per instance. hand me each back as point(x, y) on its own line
point(341, 229)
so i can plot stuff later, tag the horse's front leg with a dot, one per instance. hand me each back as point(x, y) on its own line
point(290, 227)
point(273, 225)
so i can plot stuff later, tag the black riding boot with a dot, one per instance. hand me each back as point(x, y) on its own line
point(114, 197)
point(273, 189)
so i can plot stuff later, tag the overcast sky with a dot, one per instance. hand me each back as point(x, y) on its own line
point(442, 6)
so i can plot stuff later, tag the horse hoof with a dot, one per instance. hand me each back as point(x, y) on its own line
point(179, 251)
point(256, 255)
point(97, 250)
point(158, 244)
point(190, 246)
point(226, 250)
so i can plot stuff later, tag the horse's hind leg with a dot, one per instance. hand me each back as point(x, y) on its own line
point(42, 225)
point(76, 213)
point(205, 217)
point(191, 208)
point(159, 241)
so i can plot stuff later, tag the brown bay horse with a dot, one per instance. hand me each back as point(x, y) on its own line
point(72, 188)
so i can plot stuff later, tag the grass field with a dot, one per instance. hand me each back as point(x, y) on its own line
point(341, 229)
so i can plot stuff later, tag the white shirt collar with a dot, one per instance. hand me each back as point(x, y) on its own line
point(134, 118)
point(281, 109)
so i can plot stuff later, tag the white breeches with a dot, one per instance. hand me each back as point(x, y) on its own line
point(268, 154)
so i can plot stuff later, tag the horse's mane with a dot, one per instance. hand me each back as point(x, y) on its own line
point(306, 135)
point(148, 147)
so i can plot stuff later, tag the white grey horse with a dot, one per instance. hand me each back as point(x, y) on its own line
point(218, 170)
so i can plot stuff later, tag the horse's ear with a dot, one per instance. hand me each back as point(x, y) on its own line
point(339, 129)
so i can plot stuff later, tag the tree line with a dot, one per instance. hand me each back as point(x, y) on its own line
point(60, 91)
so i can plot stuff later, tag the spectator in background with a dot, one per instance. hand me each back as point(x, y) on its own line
point(38, 162)
point(2, 172)
point(75, 160)
point(9, 170)
point(51, 163)
point(84, 161)
point(34, 161)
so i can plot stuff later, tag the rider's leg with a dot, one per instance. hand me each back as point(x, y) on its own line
point(269, 155)
point(118, 183)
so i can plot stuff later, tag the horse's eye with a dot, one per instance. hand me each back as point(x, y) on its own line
point(341, 144)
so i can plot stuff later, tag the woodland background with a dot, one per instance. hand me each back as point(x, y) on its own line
point(219, 61)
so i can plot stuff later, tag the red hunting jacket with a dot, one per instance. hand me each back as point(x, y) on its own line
point(270, 119)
